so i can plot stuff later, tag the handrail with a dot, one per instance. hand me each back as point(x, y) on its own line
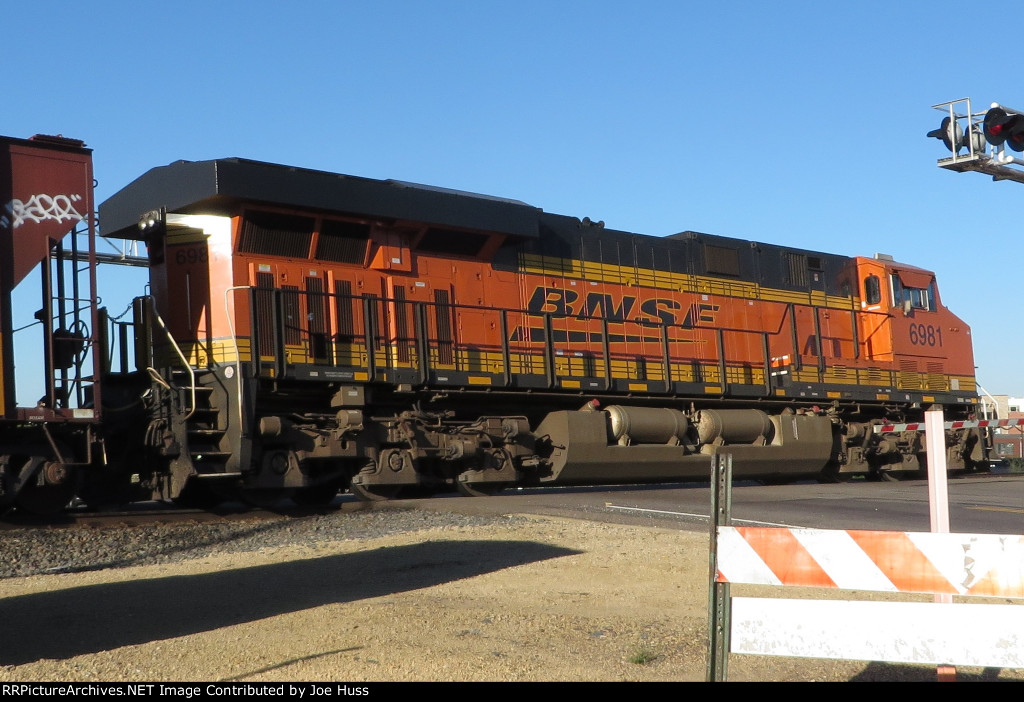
point(506, 355)
point(177, 349)
point(238, 354)
point(420, 328)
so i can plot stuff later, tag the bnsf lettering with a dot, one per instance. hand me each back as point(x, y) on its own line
point(706, 313)
point(552, 301)
point(701, 312)
point(602, 305)
point(663, 310)
point(568, 303)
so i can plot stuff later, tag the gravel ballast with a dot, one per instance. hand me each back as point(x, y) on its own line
point(38, 551)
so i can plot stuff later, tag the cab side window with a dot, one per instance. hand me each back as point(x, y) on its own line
point(872, 290)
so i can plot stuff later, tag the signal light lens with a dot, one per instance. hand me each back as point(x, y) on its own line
point(1013, 132)
point(1002, 127)
point(950, 133)
point(995, 125)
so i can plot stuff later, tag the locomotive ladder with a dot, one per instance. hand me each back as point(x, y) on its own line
point(204, 433)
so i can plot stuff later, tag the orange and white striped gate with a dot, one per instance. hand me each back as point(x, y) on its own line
point(885, 563)
point(968, 565)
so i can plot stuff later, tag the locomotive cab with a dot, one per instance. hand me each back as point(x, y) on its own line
point(905, 324)
point(905, 327)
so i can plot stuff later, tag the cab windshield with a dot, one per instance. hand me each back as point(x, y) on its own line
point(919, 298)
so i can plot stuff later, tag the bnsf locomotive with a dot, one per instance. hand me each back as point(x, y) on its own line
point(308, 332)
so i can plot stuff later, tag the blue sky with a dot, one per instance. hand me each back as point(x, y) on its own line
point(790, 122)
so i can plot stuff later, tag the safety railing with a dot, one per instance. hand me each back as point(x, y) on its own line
point(424, 342)
point(281, 332)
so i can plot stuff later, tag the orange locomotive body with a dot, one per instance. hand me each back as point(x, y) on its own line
point(309, 332)
point(312, 331)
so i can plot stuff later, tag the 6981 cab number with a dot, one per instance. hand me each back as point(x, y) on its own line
point(925, 335)
point(191, 254)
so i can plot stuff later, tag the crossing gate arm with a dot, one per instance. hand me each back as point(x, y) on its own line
point(967, 565)
point(959, 424)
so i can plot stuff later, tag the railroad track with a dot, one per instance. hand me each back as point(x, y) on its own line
point(148, 513)
point(144, 514)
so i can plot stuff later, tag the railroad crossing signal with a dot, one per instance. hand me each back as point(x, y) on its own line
point(982, 141)
point(1002, 127)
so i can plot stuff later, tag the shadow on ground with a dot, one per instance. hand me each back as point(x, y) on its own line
point(888, 672)
point(79, 620)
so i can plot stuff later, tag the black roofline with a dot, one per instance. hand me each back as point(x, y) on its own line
point(219, 185)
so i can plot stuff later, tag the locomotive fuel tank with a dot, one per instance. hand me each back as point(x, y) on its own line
point(647, 444)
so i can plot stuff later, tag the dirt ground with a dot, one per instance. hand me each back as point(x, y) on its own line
point(540, 599)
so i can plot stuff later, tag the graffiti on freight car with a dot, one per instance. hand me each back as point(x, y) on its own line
point(39, 208)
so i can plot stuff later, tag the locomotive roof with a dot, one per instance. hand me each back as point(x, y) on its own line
point(220, 185)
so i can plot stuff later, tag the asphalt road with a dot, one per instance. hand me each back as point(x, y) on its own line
point(991, 504)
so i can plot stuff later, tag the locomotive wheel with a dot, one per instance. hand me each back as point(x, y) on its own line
point(375, 493)
point(48, 496)
point(426, 489)
point(878, 474)
point(198, 494)
point(317, 495)
point(263, 499)
point(831, 474)
point(479, 489)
